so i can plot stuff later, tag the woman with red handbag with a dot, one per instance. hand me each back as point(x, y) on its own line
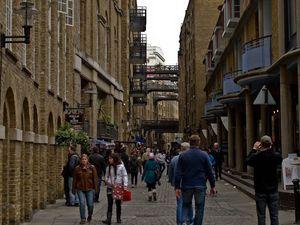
point(116, 180)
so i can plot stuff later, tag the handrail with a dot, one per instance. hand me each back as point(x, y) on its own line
point(255, 40)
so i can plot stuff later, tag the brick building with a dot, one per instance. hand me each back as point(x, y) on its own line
point(77, 58)
point(195, 33)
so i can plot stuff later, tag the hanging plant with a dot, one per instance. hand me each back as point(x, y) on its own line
point(67, 135)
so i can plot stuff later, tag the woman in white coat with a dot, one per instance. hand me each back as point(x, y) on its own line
point(116, 180)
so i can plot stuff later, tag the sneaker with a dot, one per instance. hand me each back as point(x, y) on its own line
point(82, 222)
point(106, 221)
point(89, 218)
point(132, 186)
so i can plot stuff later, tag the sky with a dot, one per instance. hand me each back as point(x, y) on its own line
point(164, 19)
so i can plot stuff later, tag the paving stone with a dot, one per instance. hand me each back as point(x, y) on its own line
point(228, 207)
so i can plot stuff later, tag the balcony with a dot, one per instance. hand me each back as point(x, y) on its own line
point(257, 54)
point(231, 16)
point(106, 131)
point(138, 89)
point(229, 86)
point(163, 125)
point(213, 104)
point(163, 69)
point(139, 72)
point(138, 49)
point(209, 63)
point(139, 101)
point(218, 45)
point(170, 87)
point(138, 19)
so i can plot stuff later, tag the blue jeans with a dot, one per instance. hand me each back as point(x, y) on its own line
point(270, 200)
point(199, 195)
point(179, 219)
point(73, 198)
point(86, 198)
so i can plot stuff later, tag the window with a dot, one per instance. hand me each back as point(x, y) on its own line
point(290, 24)
point(70, 13)
point(62, 6)
point(8, 12)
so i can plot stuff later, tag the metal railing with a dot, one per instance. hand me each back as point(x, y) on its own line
point(138, 18)
point(138, 49)
point(229, 86)
point(257, 54)
point(162, 87)
point(106, 131)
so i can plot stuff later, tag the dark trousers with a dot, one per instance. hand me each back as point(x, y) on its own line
point(218, 171)
point(134, 178)
point(97, 194)
point(110, 202)
point(262, 201)
point(67, 190)
point(151, 186)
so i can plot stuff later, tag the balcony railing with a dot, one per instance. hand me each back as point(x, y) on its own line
point(171, 77)
point(162, 87)
point(138, 89)
point(229, 86)
point(138, 19)
point(139, 72)
point(106, 131)
point(257, 54)
point(212, 104)
point(163, 69)
point(138, 49)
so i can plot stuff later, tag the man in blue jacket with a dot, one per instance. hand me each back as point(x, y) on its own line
point(193, 169)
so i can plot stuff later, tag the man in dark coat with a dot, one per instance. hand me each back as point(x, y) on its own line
point(265, 161)
point(98, 161)
point(217, 153)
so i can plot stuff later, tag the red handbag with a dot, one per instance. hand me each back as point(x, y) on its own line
point(126, 195)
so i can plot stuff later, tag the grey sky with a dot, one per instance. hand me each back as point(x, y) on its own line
point(164, 19)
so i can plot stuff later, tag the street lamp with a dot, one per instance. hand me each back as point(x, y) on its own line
point(27, 10)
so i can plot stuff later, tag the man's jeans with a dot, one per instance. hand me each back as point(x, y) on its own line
point(86, 198)
point(179, 209)
point(73, 198)
point(270, 200)
point(199, 195)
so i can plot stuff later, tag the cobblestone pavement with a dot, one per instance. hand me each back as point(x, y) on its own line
point(229, 207)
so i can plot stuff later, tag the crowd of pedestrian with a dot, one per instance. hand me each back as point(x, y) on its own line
point(188, 169)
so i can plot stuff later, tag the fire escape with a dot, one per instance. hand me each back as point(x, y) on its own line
point(163, 81)
point(146, 79)
point(138, 55)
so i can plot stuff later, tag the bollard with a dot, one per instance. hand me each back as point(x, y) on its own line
point(297, 200)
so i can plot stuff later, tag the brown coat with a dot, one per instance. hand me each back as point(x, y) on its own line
point(85, 179)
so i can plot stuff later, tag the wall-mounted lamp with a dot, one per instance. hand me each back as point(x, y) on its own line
point(27, 10)
point(90, 91)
